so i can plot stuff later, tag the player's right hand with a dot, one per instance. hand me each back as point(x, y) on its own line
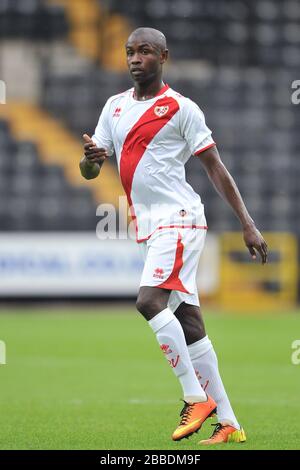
point(92, 153)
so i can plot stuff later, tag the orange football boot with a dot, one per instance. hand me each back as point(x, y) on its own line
point(225, 433)
point(193, 416)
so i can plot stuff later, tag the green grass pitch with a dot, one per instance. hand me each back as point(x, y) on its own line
point(80, 380)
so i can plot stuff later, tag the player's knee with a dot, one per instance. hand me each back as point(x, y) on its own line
point(193, 330)
point(192, 323)
point(192, 335)
point(144, 307)
point(147, 307)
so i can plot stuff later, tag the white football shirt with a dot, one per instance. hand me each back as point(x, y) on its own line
point(152, 141)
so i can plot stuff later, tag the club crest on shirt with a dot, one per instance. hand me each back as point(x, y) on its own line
point(161, 110)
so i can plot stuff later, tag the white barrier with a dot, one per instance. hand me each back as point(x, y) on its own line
point(79, 264)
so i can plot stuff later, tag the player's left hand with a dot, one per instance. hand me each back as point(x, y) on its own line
point(254, 241)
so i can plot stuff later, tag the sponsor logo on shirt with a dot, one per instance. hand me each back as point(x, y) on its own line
point(160, 111)
point(117, 112)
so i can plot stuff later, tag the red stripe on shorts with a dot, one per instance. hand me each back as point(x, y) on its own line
point(173, 282)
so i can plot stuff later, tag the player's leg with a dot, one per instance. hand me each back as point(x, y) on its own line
point(205, 363)
point(191, 321)
point(152, 303)
point(162, 267)
point(204, 359)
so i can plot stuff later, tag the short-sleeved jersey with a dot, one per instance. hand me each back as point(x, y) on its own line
point(152, 141)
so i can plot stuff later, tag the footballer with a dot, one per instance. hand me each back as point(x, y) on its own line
point(153, 131)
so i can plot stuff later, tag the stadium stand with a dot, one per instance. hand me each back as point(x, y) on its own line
point(253, 122)
point(247, 54)
point(92, 26)
point(32, 19)
point(58, 146)
point(35, 196)
point(260, 32)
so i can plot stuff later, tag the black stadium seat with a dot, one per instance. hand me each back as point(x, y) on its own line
point(34, 196)
point(32, 19)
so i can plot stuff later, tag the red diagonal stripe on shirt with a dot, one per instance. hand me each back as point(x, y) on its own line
point(139, 137)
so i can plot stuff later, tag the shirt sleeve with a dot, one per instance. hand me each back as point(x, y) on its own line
point(194, 129)
point(102, 136)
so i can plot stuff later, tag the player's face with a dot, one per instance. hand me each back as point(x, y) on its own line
point(144, 59)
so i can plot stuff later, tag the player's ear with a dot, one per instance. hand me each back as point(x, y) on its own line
point(164, 56)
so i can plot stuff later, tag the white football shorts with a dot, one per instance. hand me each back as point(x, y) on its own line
point(171, 258)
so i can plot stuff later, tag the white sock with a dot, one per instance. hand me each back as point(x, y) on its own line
point(205, 363)
point(169, 334)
